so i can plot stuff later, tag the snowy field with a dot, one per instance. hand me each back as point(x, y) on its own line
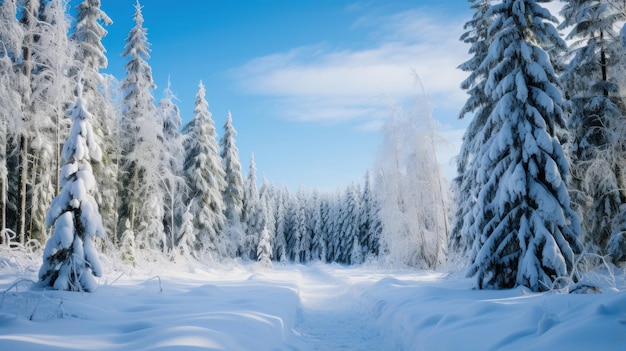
point(298, 307)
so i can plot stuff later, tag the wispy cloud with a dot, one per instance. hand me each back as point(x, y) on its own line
point(326, 84)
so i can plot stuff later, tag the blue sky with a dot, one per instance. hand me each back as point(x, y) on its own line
point(308, 82)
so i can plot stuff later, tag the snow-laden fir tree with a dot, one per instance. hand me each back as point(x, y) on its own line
point(370, 224)
point(127, 244)
point(318, 239)
point(11, 36)
point(320, 236)
point(139, 195)
point(299, 243)
point(281, 224)
point(233, 192)
point(172, 183)
point(70, 260)
point(88, 33)
point(264, 249)
point(253, 214)
point(479, 104)
point(526, 231)
point(350, 227)
point(187, 244)
point(266, 195)
point(333, 224)
point(205, 179)
point(593, 80)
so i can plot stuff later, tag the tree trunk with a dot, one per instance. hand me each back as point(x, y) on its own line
point(3, 209)
point(21, 226)
point(26, 20)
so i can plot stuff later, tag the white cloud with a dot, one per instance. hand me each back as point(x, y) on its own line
point(325, 84)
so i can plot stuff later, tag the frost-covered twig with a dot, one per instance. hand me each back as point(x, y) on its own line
point(14, 285)
point(159, 279)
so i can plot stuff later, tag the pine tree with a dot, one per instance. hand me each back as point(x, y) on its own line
point(264, 249)
point(300, 243)
point(11, 36)
point(253, 214)
point(172, 183)
point(69, 258)
point(316, 237)
point(205, 179)
point(320, 234)
point(140, 199)
point(267, 198)
point(370, 225)
point(187, 244)
point(90, 58)
point(596, 123)
point(281, 224)
point(334, 217)
point(233, 192)
point(480, 104)
point(127, 244)
point(527, 231)
point(350, 241)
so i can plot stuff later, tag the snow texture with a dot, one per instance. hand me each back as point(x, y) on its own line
point(296, 307)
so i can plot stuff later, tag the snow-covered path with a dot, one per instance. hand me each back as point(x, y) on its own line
point(332, 315)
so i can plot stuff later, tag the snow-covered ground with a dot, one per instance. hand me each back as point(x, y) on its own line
point(298, 307)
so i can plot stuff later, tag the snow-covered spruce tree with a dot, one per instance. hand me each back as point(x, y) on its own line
point(232, 194)
point(350, 225)
point(205, 179)
point(140, 200)
point(300, 241)
point(171, 165)
point(527, 229)
point(264, 249)
point(127, 244)
point(370, 225)
point(253, 214)
point(314, 226)
point(266, 194)
point(11, 37)
point(70, 260)
point(479, 104)
point(320, 234)
point(90, 58)
point(291, 209)
point(281, 224)
point(334, 217)
point(187, 244)
point(592, 81)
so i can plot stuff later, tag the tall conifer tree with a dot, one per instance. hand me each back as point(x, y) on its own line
point(140, 199)
point(233, 192)
point(205, 179)
point(91, 58)
point(597, 120)
point(526, 229)
point(70, 259)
